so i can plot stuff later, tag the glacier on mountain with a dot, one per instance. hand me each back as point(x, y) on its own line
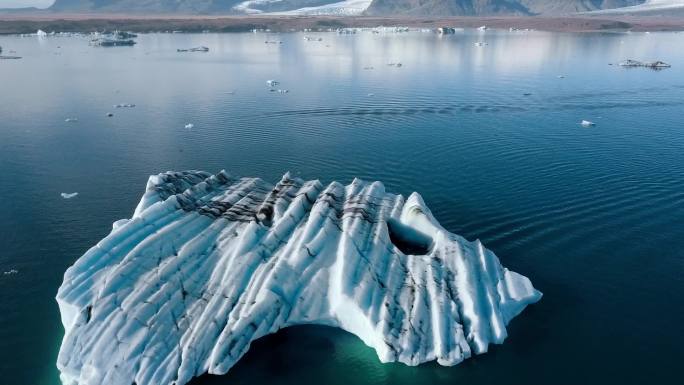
point(209, 263)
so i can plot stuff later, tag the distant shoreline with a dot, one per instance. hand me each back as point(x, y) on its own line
point(21, 23)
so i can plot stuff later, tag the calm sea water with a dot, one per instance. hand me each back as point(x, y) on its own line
point(594, 216)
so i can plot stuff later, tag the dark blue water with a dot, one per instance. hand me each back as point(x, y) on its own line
point(594, 216)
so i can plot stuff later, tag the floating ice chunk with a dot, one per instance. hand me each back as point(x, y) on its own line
point(41, 33)
point(9, 57)
point(445, 30)
point(272, 83)
point(587, 123)
point(370, 94)
point(210, 263)
point(71, 120)
point(69, 195)
point(283, 91)
point(634, 63)
point(124, 105)
point(189, 126)
point(10, 272)
point(480, 44)
point(482, 28)
point(195, 49)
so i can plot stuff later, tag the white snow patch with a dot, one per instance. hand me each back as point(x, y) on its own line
point(342, 8)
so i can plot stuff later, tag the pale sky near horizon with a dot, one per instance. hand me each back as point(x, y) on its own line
point(25, 3)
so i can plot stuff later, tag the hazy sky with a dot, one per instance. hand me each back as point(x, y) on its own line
point(25, 3)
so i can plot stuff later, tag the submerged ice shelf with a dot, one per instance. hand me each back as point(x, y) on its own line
point(209, 263)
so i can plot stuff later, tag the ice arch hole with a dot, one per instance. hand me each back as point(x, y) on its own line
point(407, 239)
point(304, 355)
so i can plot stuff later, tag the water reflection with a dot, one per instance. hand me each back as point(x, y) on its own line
point(489, 135)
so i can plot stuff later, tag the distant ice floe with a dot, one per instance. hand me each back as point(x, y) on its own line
point(189, 126)
point(587, 123)
point(649, 64)
point(209, 263)
point(10, 272)
point(69, 195)
point(195, 49)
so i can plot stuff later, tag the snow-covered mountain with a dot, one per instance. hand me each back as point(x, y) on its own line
point(356, 7)
point(212, 6)
point(651, 7)
point(340, 8)
point(491, 7)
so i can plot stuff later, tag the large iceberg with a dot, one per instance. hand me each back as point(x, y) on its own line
point(209, 263)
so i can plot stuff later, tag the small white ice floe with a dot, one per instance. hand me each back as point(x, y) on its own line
point(68, 195)
point(371, 94)
point(272, 83)
point(480, 44)
point(194, 49)
point(587, 123)
point(189, 126)
point(10, 272)
point(70, 120)
point(394, 64)
point(283, 91)
point(482, 28)
point(124, 105)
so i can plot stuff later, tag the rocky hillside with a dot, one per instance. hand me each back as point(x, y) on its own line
point(146, 6)
point(491, 7)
